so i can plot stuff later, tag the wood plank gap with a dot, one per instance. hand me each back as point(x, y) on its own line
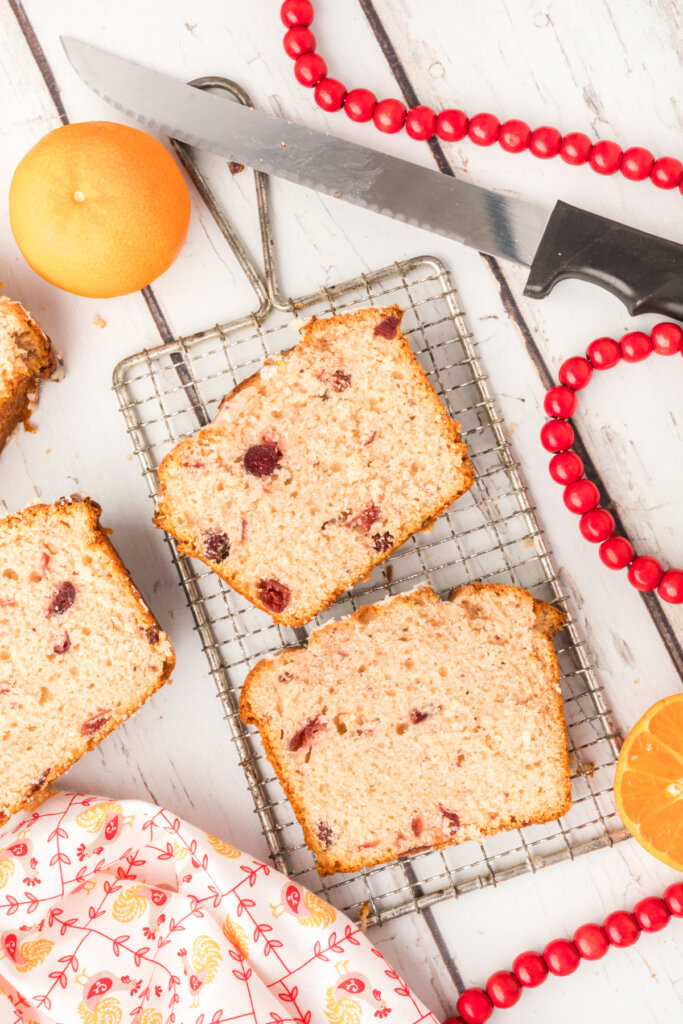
point(41, 60)
point(651, 601)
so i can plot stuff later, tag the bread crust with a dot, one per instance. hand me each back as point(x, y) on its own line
point(164, 518)
point(548, 621)
point(93, 512)
point(18, 395)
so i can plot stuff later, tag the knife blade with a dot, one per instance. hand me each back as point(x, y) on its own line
point(644, 271)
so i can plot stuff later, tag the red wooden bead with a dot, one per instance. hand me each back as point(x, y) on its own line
point(671, 587)
point(514, 136)
point(636, 163)
point(309, 69)
point(360, 104)
point(673, 897)
point(652, 914)
point(604, 353)
point(616, 552)
point(557, 435)
point(576, 372)
point(566, 467)
point(474, 1006)
point(421, 123)
point(296, 12)
point(389, 116)
point(452, 125)
point(666, 172)
point(545, 142)
point(605, 157)
point(597, 525)
point(504, 990)
point(645, 573)
point(582, 496)
point(298, 40)
point(562, 957)
point(530, 968)
point(591, 941)
point(667, 338)
point(621, 929)
point(560, 403)
point(576, 148)
point(453, 1020)
point(635, 346)
point(330, 94)
point(483, 129)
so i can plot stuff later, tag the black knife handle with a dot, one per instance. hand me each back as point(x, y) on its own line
point(644, 271)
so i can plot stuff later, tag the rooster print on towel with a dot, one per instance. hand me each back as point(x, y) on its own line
point(106, 820)
point(137, 917)
point(24, 949)
point(305, 906)
point(18, 856)
point(344, 1000)
point(139, 900)
point(202, 967)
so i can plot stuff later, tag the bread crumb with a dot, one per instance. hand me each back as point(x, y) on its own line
point(98, 321)
point(511, 429)
point(363, 915)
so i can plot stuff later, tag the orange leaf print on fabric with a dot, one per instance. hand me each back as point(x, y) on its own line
point(225, 849)
point(235, 934)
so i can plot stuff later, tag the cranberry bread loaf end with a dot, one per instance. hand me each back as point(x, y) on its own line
point(316, 468)
point(79, 649)
point(417, 723)
point(26, 356)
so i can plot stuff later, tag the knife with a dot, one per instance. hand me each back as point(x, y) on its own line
point(644, 271)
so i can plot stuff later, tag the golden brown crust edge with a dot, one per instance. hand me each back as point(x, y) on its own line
point(16, 408)
point(186, 546)
point(549, 620)
point(100, 539)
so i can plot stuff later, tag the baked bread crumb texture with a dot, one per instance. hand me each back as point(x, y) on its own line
point(316, 468)
point(26, 357)
point(417, 723)
point(79, 649)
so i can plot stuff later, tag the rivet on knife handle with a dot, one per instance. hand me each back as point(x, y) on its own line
point(644, 271)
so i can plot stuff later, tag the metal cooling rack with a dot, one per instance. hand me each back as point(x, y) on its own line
point(489, 534)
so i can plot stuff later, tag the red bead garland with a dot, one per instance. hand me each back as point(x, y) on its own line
point(581, 496)
point(422, 123)
point(360, 104)
point(484, 129)
point(309, 69)
point(389, 116)
point(562, 957)
point(591, 941)
point(504, 990)
point(298, 40)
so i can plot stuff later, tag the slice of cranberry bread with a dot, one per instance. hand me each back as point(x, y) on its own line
point(417, 723)
point(316, 468)
point(26, 356)
point(79, 649)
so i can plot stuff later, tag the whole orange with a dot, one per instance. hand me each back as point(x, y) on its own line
point(99, 209)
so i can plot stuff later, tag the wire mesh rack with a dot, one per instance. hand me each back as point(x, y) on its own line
point(490, 534)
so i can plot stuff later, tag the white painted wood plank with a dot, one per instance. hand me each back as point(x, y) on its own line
point(193, 768)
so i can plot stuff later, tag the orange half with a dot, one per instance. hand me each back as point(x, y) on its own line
point(648, 785)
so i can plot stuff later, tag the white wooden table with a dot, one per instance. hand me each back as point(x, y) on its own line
point(612, 70)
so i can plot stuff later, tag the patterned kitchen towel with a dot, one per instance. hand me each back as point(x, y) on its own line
point(114, 911)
